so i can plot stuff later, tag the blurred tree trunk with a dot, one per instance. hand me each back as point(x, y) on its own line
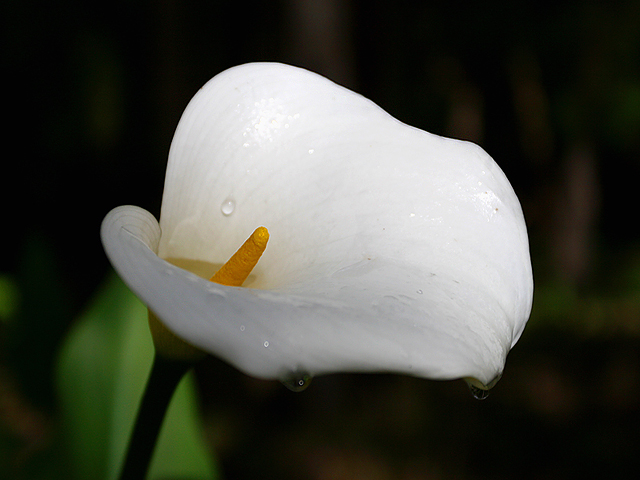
point(577, 210)
point(320, 38)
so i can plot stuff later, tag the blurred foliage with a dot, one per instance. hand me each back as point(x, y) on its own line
point(9, 298)
point(103, 368)
point(551, 92)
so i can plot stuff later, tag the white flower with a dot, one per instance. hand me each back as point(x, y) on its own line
point(391, 249)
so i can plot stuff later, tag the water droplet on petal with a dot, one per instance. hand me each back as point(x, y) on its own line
point(227, 207)
point(477, 389)
point(297, 382)
point(242, 328)
point(478, 393)
point(266, 343)
point(419, 292)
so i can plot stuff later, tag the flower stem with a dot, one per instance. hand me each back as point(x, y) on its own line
point(164, 378)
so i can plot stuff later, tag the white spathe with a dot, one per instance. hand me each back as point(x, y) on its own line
point(391, 249)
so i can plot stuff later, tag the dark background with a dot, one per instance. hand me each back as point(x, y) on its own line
point(94, 91)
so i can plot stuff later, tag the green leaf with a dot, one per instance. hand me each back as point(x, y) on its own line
point(101, 374)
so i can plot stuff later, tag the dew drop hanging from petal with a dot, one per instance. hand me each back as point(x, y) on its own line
point(297, 382)
point(478, 393)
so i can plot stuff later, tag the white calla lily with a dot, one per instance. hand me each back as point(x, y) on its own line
point(391, 249)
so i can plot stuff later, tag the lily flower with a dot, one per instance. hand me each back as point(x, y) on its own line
point(391, 249)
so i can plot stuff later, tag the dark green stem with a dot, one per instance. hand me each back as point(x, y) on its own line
point(163, 380)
